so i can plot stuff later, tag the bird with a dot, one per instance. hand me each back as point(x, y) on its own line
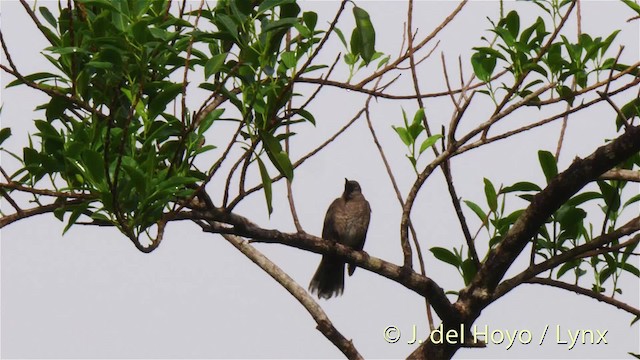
point(346, 222)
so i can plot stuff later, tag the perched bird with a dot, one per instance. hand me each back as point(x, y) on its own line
point(346, 222)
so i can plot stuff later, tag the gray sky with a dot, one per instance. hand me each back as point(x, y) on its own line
point(91, 294)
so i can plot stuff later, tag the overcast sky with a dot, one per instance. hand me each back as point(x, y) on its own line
point(91, 294)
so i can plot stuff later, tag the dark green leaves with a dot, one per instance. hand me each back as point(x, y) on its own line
point(466, 267)
point(266, 183)
point(548, 164)
point(445, 255)
point(490, 193)
point(48, 16)
point(483, 63)
point(4, 134)
point(167, 93)
point(94, 164)
point(270, 4)
point(363, 37)
point(278, 157)
point(629, 111)
point(214, 64)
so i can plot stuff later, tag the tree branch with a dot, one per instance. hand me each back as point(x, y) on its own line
point(324, 324)
point(582, 291)
point(241, 226)
point(507, 285)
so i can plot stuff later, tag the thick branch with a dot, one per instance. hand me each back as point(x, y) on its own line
point(241, 226)
point(545, 203)
point(480, 293)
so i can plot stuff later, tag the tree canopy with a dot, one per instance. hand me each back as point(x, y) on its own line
point(159, 112)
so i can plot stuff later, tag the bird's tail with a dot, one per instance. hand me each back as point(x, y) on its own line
point(328, 280)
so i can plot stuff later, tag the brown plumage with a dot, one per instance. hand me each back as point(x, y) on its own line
point(346, 222)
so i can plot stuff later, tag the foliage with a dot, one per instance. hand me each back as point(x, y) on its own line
point(118, 145)
point(108, 131)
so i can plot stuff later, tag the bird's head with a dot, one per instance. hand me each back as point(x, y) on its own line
point(351, 188)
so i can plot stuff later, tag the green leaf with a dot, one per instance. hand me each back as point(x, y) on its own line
point(266, 184)
point(404, 135)
point(430, 141)
point(469, 271)
point(314, 67)
point(566, 94)
point(75, 214)
point(278, 157)
point(521, 186)
point(583, 197)
point(159, 103)
point(306, 115)
point(99, 64)
point(629, 110)
point(138, 178)
point(310, 19)
point(228, 25)
point(490, 193)
point(566, 267)
point(213, 65)
point(341, 36)
point(4, 134)
point(477, 210)
point(48, 16)
point(483, 65)
point(383, 61)
point(419, 115)
point(610, 195)
point(270, 4)
point(289, 59)
point(67, 50)
point(569, 216)
point(414, 131)
point(633, 199)
point(47, 130)
point(446, 255)
point(281, 23)
point(548, 164)
point(365, 35)
point(630, 268)
point(206, 123)
point(635, 7)
point(159, 33)
point(100, 3)
point(93, 163)
point(512, 22)
point(34, 77)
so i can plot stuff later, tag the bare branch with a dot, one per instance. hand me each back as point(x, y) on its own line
point(621, 174)
point(582, 291)
point(324, 323)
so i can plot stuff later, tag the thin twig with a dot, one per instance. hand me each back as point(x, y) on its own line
point(58, 194)
point(186, 68)
point(396, 188)
point(590, 293)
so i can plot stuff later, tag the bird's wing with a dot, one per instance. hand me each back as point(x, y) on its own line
point(330, 228)
point(361, 232)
